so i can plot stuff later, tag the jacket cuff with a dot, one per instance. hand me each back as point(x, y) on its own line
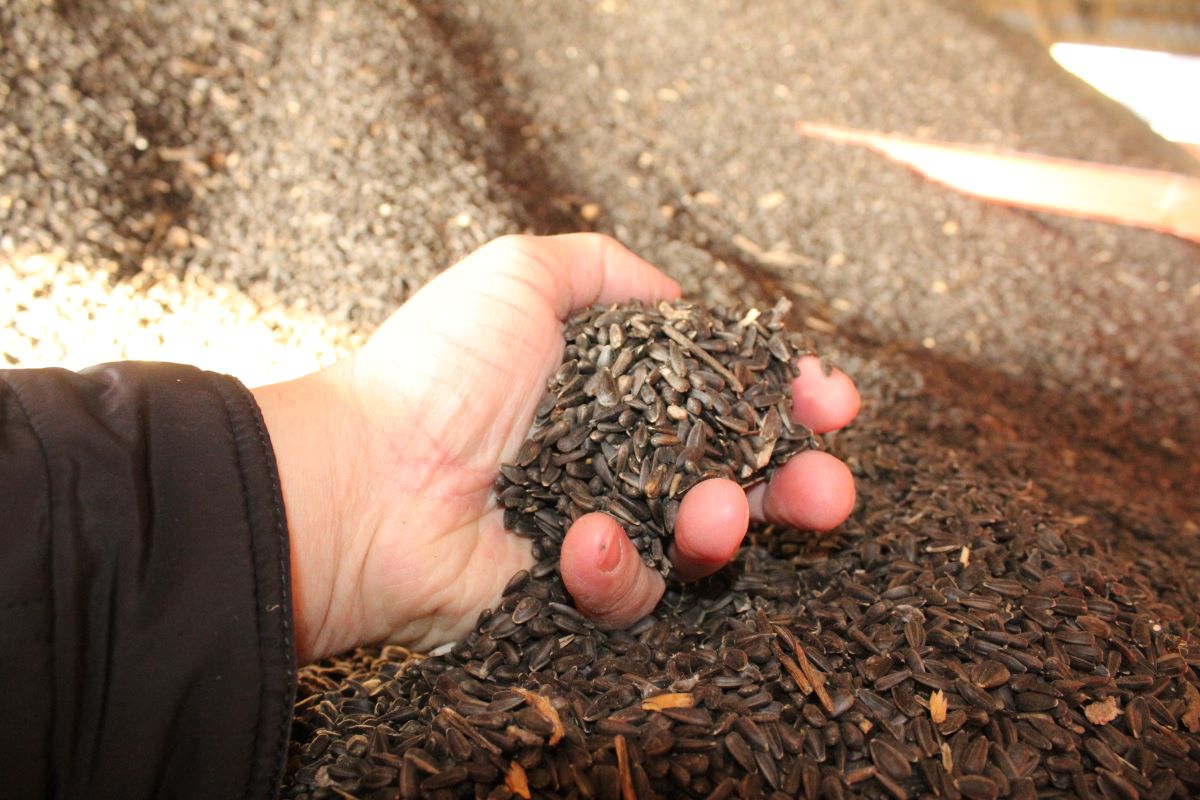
point(172, 661)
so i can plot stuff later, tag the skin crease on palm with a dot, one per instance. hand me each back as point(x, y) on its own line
point(387, 459)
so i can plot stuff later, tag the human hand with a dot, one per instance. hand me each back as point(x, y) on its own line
point(387, 459)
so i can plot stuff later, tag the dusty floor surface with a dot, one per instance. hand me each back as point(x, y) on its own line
point(178, 178)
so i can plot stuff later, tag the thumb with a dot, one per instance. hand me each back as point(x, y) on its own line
point(604, 573)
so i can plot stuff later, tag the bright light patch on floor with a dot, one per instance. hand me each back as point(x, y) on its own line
point(1161, 88)
point(61, 314)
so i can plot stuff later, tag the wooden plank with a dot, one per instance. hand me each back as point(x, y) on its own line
point(1162, 201)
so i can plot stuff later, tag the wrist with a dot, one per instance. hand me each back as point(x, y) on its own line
point(308, 432)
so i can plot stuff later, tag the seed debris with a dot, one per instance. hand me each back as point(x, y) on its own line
point(806, 660)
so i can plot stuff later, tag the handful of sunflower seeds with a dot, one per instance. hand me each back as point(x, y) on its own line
point(649, 401)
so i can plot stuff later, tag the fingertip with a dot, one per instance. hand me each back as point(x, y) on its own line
point(823, 402)
point(812, 491)
point(628, 276)
point(604, 573)
point(712, 522)
point(600, 269)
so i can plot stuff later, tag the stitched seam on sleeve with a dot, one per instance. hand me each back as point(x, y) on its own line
point(281, 535)
point(262, 670)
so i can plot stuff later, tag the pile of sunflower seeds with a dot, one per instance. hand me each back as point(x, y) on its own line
point(973, 647)
point(649, 401)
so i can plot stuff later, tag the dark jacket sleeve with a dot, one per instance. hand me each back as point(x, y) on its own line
point(145, 618)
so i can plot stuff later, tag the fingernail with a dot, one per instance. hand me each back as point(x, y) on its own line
point(610, 551)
